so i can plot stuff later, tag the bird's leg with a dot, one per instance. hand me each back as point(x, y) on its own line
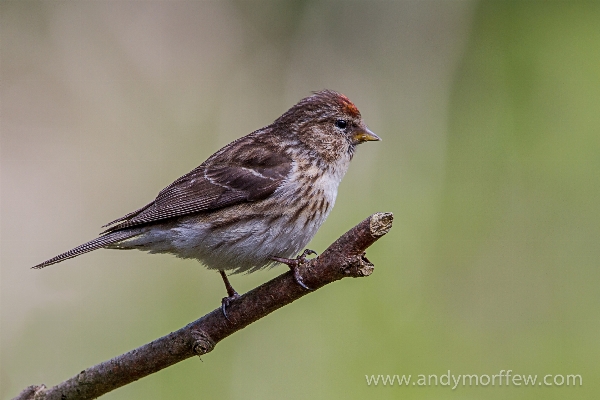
point(231, 294)
point(294, 263)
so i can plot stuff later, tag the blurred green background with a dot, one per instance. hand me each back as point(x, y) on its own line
point(490, 160)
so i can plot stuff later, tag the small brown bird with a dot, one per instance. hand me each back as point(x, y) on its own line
point(257, 201)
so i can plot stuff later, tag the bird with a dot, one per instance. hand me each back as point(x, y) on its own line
point(256, 202)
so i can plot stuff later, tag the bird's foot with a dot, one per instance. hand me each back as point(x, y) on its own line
point(294, 263)
point(225, 303)
point(231, 295)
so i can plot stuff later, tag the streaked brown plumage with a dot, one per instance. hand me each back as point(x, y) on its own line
point(264, 195)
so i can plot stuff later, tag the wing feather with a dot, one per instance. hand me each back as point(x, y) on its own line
point(251, 176)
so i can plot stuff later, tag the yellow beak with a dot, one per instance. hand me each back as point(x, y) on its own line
point(364, 135)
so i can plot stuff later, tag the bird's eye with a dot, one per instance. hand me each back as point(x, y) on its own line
point(341, 123)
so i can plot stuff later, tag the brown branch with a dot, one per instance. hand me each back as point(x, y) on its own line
point(344, 258)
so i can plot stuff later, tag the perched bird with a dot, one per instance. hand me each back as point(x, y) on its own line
point(257, 201)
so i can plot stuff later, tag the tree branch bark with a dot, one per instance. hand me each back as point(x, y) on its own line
point(344, 258)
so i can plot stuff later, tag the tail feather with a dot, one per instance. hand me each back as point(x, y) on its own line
point(128, 216)
point(95, 244)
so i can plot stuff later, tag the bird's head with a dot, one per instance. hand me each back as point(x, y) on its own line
point(328, 123)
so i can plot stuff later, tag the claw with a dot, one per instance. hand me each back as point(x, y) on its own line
point(294, 263)
point(231, 295)
point(225, 303)
point(299, 280)
point(308, 252)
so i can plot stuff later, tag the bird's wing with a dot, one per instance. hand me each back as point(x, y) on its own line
point(246, 176)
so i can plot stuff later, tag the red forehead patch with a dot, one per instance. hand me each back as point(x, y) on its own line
point(348, 106)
